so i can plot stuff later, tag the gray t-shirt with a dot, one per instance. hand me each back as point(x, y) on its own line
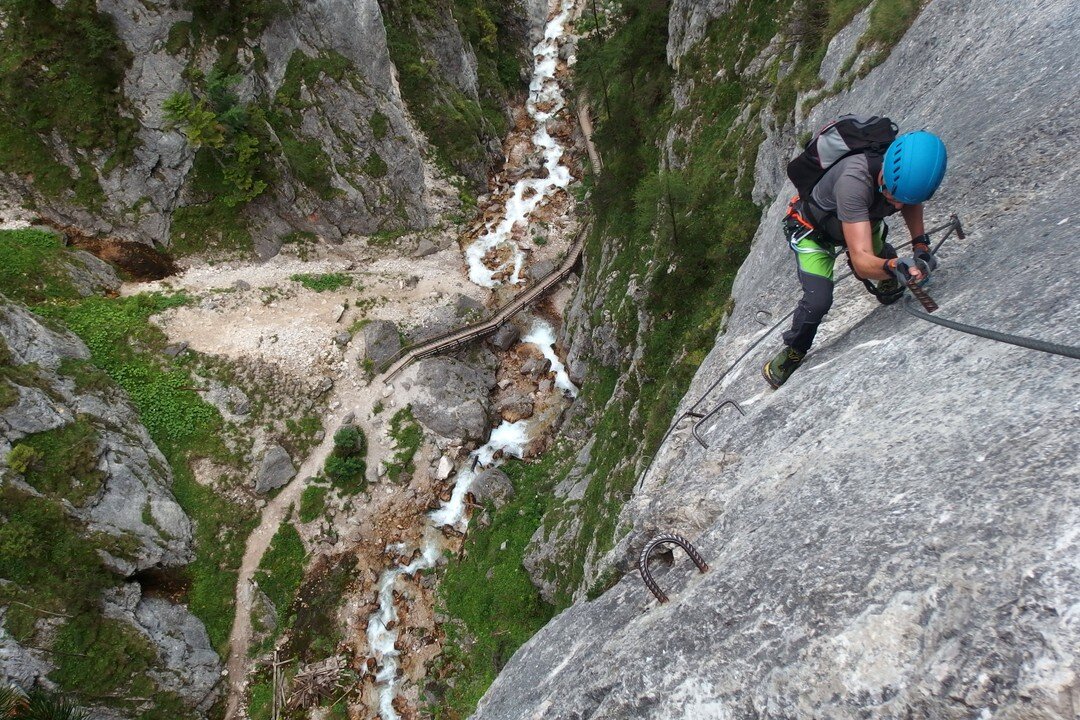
point(848, 190)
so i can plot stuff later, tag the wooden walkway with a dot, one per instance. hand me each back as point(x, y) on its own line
point(463, 336)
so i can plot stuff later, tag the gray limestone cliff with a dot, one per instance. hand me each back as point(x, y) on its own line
point(895, 532)
point(336, 109)
point(72, 441)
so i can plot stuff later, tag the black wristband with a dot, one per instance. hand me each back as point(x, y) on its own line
point(923, 239)
point(888, 269)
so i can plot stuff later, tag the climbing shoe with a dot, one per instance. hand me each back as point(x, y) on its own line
point(888, 291)
point(779, 369)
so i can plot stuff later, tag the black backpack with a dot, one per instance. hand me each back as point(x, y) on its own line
point(847, 135)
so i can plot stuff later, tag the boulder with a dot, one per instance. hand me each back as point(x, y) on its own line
point(540, 270)
point(492, 485)
point(505, 336)
point(450, 397)
point(515, 405)
point(275, 469)
point(381, 341)
point(424, 248)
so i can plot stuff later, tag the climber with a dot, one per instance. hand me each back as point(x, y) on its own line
point(844, 209)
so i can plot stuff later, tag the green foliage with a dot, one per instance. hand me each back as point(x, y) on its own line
point(61, 70)
point(346, 465)
point(38, 705)
point(375, 166)
point(282, 568)
point(52, 569)
point(312, 503)
point(197, 121)
point(325, 282)
point(98, 656)
point(407, 435)
point(33, 266)
point(62, 462)
point(261, 701)
point(315, 633)
point(489, 591)
point(22, 457)
point(310, 163)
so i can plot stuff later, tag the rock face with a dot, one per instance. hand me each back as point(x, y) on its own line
point(191, 667)
point(131, 518)
point(354, 120)
point(134, 500)
point(493, 486)
point(895, 532)
point(450, 397)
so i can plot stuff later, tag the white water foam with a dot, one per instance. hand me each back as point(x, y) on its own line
point(543, 90)
point(543, 336)
point(511, 438)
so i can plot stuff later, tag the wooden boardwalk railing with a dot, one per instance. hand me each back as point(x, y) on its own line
point(463, 336)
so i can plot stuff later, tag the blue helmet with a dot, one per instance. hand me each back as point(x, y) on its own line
point(914, 166)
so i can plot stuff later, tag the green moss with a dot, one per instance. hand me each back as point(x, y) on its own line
point(212, 226)
point(33, 266)
point(346, 465)
point(375, 166)
point(98, 656)
point(126, 346)
point(407, 436)
point(61, 70)
point(457, 126)
point(312, 503)
point(380, 125)
point(488, 590)
point(64, 463)
point(315, 632)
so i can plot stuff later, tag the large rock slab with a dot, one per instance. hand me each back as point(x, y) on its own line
point(450, 397)
point(382, 341)
point(135, 500)
point(895, 532)
point(275, 470)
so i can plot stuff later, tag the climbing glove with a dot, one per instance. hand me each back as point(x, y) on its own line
point(901, 269)
point(921, 249)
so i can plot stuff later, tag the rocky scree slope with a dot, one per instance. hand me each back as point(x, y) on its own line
point(84, 484)
point(895, 532)
point(200, 122)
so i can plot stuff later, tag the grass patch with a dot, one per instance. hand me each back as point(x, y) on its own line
point(312, 503)
point(325, 282)
point(126, 347)
point(282, 568)
point(61, 72)
point(65, 464)
point(407, 435)
point(315, 633)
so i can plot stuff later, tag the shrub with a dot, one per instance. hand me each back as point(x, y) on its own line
point(22, 457)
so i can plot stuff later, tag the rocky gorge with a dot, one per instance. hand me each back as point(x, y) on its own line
point(215, 505)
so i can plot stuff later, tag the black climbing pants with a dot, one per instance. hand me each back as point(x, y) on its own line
point(815, 256)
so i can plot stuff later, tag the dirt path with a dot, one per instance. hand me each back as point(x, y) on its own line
point(351, 397)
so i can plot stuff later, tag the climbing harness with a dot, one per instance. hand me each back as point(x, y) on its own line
point(673, 539)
